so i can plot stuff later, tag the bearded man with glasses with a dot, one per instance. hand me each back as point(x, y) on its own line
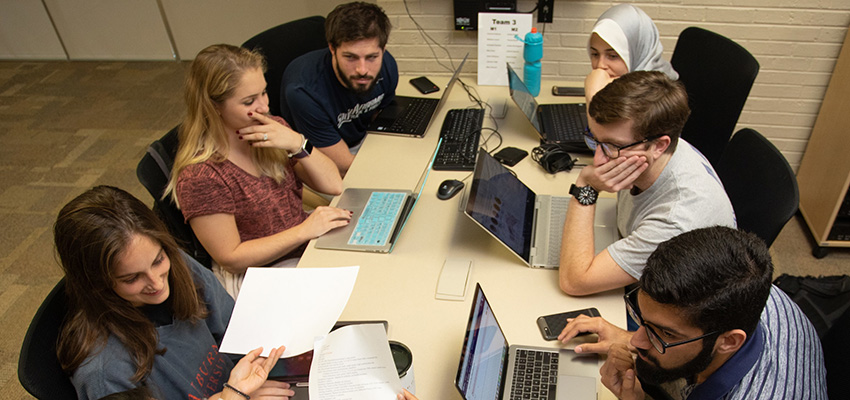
point(711, 326)
point(664, 185)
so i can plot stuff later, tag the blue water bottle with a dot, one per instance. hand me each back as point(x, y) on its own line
point(532, 52)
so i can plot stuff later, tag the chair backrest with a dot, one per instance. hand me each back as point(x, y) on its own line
point(38, 367)
point(836, 356)
point(760, 184)
point(282, 44)
point(154, 171)
point(718, 75)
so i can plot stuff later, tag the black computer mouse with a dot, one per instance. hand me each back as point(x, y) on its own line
point(449, 188)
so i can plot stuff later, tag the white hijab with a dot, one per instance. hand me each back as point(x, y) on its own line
point(633, 35)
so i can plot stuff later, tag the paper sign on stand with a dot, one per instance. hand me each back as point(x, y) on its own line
point(497, 45)
point(354, 363)
point(287, 306)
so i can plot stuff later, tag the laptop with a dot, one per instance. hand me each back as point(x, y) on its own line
point(379, 216)
point(411, 116)
point(563, 124)
point(530, 225)
point(491, 369)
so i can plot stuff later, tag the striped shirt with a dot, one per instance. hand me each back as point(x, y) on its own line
point(782, 360)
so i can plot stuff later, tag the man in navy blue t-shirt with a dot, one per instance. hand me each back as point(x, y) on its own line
point(331, 95)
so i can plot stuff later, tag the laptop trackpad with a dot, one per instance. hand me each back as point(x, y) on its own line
point(577, 375)
point(576, 387)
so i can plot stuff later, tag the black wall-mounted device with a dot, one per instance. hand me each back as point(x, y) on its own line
point(544, 10)
point(466, 11)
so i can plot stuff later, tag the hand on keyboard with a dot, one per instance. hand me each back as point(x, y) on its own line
point(322, 220)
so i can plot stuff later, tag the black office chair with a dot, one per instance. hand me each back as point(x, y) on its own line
point(282, 44)
point(836, 356)
point(718, 75)
point(154, 171)
point(38, 366)
point(760, 184)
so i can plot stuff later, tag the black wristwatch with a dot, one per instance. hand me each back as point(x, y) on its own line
point(586, 195)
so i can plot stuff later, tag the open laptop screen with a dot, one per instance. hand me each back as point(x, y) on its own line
point(502, 204)
point(484, 354)
point(523, 98)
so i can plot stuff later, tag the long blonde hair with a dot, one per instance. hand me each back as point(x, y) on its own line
point(213, 76)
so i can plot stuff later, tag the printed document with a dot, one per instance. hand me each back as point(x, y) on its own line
point(287, 306)
point(354, 363)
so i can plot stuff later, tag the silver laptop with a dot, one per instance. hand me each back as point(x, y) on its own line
point(378, 219)
point(491, 369)
point(563, 124)
point(530, 225)
point(412, 116)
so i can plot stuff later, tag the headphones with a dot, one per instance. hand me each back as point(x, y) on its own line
point(553, 158)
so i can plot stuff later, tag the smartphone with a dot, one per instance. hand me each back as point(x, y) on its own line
point(510, 156)
point(567, 91)
point(552, 325)
point(424, 85)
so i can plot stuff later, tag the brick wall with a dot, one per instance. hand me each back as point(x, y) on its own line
point(795, 41)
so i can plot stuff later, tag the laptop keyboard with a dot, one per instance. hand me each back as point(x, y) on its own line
point(415, 116)
point(558, 214)
point(535, 375)
point(565, 122)
point(460, 132)
point(377, 220)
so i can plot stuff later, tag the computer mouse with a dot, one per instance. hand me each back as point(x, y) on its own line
point(449, 188)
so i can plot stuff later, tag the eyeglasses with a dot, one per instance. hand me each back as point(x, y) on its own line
point(609, 149)
point(656, 341)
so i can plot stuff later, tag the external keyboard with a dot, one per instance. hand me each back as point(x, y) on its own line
point(535, 375)
point(378, 219)
point(460, 132)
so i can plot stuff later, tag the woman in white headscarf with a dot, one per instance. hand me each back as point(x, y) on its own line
point(624, 39)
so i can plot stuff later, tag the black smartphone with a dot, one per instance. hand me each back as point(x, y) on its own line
point(567, 91)
point(552, 325)
point(424, 85)
point(510, 156)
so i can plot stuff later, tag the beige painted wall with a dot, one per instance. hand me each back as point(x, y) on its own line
point(795, 41)
point(138, 29)
point(111, 30)
point(26, 31)
point(196, 24)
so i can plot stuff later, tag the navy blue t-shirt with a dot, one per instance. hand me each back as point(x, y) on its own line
point(318, 106)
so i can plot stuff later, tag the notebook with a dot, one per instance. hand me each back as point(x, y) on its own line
point(563, 124)
point(379, 216)
point(491, 369)
point(530, 225)
point(411, 116)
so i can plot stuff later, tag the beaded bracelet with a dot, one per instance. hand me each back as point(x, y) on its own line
point(239, 392)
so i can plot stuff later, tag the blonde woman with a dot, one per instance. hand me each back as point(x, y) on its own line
point(239, 172)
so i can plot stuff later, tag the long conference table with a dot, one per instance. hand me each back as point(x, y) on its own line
point(400, 287)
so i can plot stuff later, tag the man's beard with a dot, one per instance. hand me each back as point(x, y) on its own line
point(651, 373)
point(348, 82)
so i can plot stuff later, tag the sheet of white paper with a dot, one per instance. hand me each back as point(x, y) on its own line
point(287, 306)
point(354, 363)
point(497, 46)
